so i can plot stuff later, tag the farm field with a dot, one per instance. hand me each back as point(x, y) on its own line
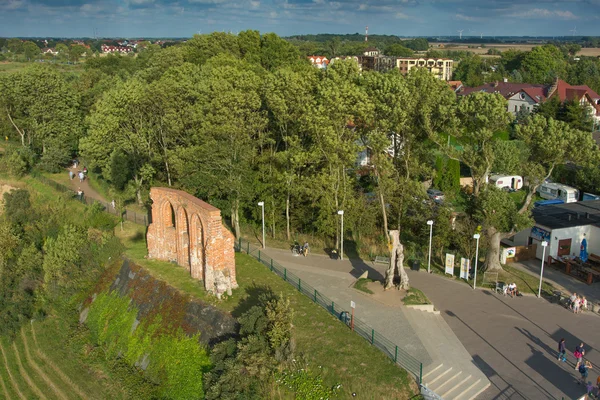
point(477, 49)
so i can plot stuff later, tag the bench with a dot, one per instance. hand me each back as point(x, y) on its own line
point(594, 258)
point(381, 260)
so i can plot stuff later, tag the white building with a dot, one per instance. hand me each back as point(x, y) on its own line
point(563, 226)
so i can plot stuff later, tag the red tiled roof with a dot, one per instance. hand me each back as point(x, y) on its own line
point(506, 89)
point(592, 94)
point(538, 94)
point(564, 91)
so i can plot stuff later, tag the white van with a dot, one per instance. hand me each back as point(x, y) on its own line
point(508, 182)
point(558, 191)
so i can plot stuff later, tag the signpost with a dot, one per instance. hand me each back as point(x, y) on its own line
point(449, 264)
point(464, 268)
point(352, 306)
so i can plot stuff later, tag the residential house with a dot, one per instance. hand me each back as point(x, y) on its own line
point(440, 67)
point(115, 49)
point(320, 62)
point(47, 50)
point(527, 96)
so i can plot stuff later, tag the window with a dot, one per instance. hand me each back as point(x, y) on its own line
point(522, 96)
point(515, 108)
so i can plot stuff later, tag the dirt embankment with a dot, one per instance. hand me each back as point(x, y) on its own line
point(155, 298)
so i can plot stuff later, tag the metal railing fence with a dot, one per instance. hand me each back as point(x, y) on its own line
point(128, 215)
point(393, 351)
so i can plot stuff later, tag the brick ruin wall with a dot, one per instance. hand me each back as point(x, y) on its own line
point(188, 231)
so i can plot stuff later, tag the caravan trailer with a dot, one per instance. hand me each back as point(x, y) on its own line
point(507, 182)
point(551, 190)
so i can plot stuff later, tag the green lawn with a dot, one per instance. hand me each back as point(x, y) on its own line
point(361, 285)
point(341, 356)
point(526, 283)
point(415, 297)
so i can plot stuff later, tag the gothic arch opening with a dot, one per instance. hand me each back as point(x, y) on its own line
point(197, 248)
point(183, 238)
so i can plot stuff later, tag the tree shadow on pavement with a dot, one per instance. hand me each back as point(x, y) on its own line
point(552, 372)
point(543, 392)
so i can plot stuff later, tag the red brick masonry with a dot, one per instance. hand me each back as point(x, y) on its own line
point(189, 232)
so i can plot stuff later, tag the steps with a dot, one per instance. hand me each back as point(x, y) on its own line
point(452, 374)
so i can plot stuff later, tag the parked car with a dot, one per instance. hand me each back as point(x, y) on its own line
point(435, 195)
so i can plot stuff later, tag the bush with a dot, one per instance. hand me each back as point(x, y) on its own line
point(176, 363)
point(55, 158)
point(19, 160)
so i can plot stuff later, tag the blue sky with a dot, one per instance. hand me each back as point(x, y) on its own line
point(183, 18)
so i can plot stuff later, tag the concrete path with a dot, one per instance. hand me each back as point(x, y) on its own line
point(562, 281)
point(513, 340)
point(448, 368)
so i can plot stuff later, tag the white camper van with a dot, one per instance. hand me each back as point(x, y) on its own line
point(508, 182)
point(558, 191)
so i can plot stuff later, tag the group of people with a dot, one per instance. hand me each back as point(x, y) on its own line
point(81, 174)
point(577, 303)
point(297, 249)
point(511, 290)
point(582, 366)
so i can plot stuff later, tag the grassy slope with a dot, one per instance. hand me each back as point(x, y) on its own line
point(344, 357)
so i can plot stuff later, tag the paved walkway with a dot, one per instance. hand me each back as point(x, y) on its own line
point(447, 366)
point(512, 340)
point(562, 281)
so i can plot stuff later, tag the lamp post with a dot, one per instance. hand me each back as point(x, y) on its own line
point(262, 205)
point(544, 245)
point(476, 237)
point(341, 213)
point(430, 223)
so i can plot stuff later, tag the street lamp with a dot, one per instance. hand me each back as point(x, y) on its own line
point(262, 205)
point(476, 237)
point(430, 223)
point(544, 245)
point(341, 212)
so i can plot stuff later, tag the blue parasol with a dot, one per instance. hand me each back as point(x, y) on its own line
point(583, 254)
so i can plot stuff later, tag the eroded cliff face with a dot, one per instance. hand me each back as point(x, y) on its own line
point(153, 297)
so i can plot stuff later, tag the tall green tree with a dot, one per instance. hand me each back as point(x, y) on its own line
point(550, 143)
point(42, 108)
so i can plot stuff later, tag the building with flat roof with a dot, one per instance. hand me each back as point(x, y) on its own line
point(440, 67)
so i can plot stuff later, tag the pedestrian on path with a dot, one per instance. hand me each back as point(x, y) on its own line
point(579, 353)
point(81, 176)
point(79, 194)
point(71, 175)
point(562, 350)
point(583, 370)
point(113, 204)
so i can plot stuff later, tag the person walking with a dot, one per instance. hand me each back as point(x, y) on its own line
point(579, 353)
point(577, 305)
point(71, 175)
point(113, 204)
point(583, 370)
point(562, 350)
point(572, 300)
point(81, 176)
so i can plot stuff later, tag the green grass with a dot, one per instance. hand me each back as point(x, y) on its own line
point(415, 297)
point(361, 285)
point(341, 356)
point(526, 283)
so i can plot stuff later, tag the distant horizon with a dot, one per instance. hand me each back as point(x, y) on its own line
point(405, 18)
point(465, 38)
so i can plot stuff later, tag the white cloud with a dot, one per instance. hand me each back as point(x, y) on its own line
point(400, 15)
point(544, 14)
point(11, 4)
point(462, 17)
